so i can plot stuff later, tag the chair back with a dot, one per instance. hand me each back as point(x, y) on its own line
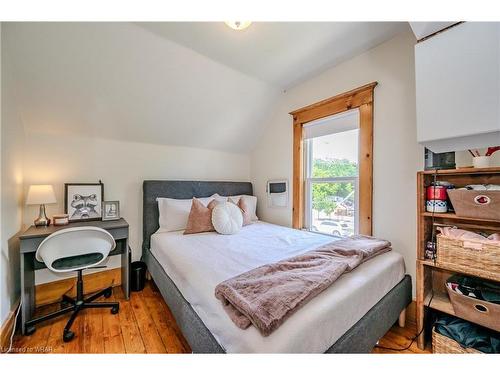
point(74, 249)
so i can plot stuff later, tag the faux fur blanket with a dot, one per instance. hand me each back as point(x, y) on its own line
point(266, 296)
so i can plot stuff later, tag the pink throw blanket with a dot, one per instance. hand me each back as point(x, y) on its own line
point(266, 296)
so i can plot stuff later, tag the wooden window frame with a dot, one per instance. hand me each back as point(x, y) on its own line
point(361, 98)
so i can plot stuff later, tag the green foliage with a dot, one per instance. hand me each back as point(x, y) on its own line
point(334, 168)
point(324, 194)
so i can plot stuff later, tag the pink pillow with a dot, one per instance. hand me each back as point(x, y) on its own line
point(247, 215)
point(200, 217)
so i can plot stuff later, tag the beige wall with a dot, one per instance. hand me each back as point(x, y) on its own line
point(122, 166)
point(397, 156)
point(12, 144)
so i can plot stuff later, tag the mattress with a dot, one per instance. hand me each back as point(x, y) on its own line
point(197, 263)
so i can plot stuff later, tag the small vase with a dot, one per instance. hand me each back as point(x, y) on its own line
point(481, 161)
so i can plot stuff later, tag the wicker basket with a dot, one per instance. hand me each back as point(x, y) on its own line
point(469, 255)
point(444, 345)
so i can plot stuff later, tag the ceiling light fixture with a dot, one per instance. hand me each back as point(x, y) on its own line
point(238, 25)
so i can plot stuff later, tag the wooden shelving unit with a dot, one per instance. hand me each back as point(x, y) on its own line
point(452, 216)
point(440, 302)
point(484, 274)
point(431, 276)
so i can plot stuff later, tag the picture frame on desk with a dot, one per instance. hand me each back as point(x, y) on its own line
point(83, 201)
point(110, 210)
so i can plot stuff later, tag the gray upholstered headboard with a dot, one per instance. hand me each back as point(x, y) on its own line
point(153, 189)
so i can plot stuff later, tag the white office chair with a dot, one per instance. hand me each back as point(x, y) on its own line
point(75, 249)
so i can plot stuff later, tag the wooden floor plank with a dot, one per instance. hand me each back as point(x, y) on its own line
point(38, 341)
point(144, 324)
point(170, 332)
point(55, 341)
point(399, 338)
point(77, 344)
point(112, 333)
point(93, 330)
point(147, 327)
point(173, 342)
point(132, 339)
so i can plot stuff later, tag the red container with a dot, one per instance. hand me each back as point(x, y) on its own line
point(437, 193)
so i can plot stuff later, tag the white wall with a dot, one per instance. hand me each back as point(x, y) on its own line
point(116, 80)
point(12, 144)
point(122, 166)
point(396, 157)
point(109, 101)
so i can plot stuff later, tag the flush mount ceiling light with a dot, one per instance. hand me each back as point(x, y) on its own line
point(238, 25)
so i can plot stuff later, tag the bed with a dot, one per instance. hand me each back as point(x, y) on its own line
point(348, 317)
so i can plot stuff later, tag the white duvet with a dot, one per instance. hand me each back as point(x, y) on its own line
point(198, 262)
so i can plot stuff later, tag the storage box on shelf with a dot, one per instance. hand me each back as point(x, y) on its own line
point(432, 274)
point(486, 314)
point(478, 204)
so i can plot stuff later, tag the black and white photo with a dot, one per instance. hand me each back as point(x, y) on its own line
point(110, 210)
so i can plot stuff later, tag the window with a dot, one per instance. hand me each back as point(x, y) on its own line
point(333, 162)
point(331, 174)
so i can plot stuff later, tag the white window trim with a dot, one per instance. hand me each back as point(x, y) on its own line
point(309, 181)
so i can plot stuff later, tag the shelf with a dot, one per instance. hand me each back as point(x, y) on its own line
point(460, 171)
point(452, 216)
point(440, 302)
point(470, 271)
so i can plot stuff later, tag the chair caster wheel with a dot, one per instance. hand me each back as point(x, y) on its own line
point(68, 336)
point(28, 331)
point(108, 294)
point(115, 310)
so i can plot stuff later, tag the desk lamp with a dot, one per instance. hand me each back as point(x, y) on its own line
point(42, 195)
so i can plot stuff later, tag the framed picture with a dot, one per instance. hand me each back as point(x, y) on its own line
point(110, 210)
point(83, 201)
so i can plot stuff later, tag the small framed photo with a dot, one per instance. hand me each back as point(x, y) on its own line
point(83, 201)
point(110, 210)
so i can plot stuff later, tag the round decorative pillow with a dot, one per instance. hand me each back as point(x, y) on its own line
point(227, 218)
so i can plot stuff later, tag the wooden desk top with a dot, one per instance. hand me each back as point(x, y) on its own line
point(33, 232)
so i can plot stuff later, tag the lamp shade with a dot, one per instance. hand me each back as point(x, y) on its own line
point(41, 194)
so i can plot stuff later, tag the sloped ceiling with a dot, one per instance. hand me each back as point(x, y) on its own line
point(197, 85)
point(281, 53)
point(119, 81)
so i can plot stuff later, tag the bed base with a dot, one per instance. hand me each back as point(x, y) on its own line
point(360, 338)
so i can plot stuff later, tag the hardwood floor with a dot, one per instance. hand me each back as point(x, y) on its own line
point(143, 325)
point(399, 338)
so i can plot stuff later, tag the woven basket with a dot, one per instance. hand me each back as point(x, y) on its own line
point(469, 255)
point(444, 345)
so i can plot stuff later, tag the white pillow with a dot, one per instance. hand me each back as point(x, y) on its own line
point(174, 213)
point(251, 200)
point(227, 218)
